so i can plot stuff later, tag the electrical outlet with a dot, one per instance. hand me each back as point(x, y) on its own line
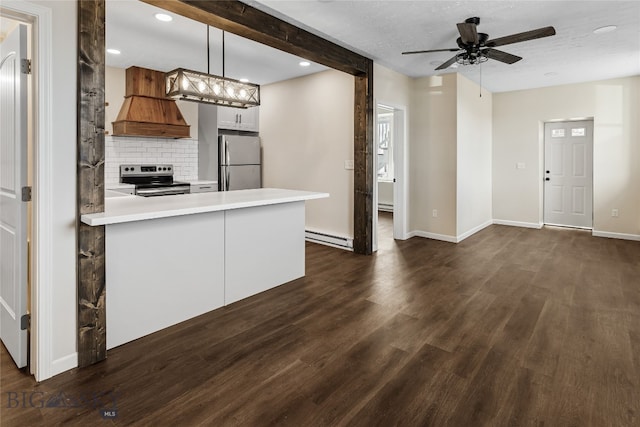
point(348, 164)
point(435, 213)
point(614, 213)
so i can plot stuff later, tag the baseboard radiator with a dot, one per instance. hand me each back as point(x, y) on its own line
point(385, 207)
point(329, 240)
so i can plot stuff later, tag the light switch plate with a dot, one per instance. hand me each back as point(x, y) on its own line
point(520, 165)
point(348, 164)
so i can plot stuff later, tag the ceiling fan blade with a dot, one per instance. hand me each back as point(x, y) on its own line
point(501, 56)
point(468, 33)
point(447, 64)
point(432, 50)
point(522, 37)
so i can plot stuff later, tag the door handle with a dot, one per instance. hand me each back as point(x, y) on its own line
point(547, 179)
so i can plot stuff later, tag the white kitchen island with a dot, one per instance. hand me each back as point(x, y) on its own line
point(171, 258)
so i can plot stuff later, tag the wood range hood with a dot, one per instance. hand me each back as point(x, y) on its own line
point(146, 110)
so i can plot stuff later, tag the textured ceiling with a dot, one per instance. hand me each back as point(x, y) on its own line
point(381, 30)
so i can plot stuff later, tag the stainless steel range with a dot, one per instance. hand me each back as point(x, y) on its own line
point(152, 180)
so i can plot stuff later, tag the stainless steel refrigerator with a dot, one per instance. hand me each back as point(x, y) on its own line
point(239, 162)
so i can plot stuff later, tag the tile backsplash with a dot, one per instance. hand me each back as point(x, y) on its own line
point(181, 153)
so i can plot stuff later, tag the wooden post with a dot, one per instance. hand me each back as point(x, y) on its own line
point(92, 332)
point(364, 170)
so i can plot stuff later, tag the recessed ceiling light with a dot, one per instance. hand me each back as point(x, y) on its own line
point(113, 51)
point(305, 63)
point(243, 80)
point(551, 74)
point(605, 29)
point(163, 17)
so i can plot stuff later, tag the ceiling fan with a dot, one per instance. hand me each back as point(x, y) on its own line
point(474, 47)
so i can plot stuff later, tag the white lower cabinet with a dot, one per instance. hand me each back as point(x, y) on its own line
point(164, 271)
point(264, 248)
point(161, 272)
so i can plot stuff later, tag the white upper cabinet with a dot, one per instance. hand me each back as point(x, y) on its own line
point(238, 118)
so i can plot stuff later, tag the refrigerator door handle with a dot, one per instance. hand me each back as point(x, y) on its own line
point(227, 153)
point(227, 172)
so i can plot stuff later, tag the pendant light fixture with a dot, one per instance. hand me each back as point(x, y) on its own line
point(189, 85)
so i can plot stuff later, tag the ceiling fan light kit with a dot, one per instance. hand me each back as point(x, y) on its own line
point(189, 85)
point(475, 48)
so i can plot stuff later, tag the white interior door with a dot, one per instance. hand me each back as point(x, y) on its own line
point(13, 212)
point(568, 174)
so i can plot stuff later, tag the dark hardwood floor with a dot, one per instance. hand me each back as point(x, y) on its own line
point(510, 327)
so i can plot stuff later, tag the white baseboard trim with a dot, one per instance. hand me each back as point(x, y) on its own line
point(447, 238)
point(611, 235)
point(434, 236)
point(339, 242)
point(63, 364)
point(473, 231)
point(385, 207)
point(518, 223)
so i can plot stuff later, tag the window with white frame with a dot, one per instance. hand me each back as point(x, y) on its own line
point(385, 144)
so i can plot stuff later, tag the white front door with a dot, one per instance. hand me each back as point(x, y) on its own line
point(568, 174)
point(13, 212)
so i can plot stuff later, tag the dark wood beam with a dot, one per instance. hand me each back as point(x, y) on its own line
point(251, 23)
point(246, 21)
point(364, 170)
point(92, 332)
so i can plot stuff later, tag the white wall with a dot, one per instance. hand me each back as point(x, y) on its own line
point(385, 193)
point(63, 195)
point(432, 159)
point(394, 89)
point(474, 124)
point(391, 87)
point(518, 117)
point(114, 88)
point(207, 147)
point(306, 126)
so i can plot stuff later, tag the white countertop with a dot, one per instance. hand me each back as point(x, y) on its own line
point(136, 208)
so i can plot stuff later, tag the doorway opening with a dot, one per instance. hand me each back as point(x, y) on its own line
point(568, 174)
point(390, 206)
